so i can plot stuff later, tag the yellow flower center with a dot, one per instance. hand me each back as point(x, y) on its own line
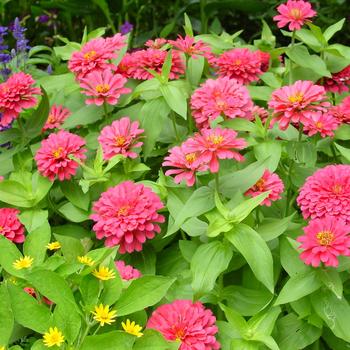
point(260, 184)
point(319, 125)
point(296, 98)
point(124, 210)
point(296, 13)
point(325, 238)
point(215, 139)
point(120, 140)
point(179, 334)
point(191, 157)
point(102, 88)
point(51, 118)
point(238, 62)
point(90, 55)
point(1, 228)
point(57, 153)
point(337, 188)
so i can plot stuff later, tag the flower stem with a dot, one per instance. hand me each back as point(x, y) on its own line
point(290, 61)
point(174, 126)
point(300, 136)
point(217, 183)
point(105, 109)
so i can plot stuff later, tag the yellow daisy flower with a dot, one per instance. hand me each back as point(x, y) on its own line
point(23, 263)
point(132, 328)
point(86, 260)
point(2, 348)
point(103, 273)
point(103, 315)
point(54, 246)
point(53, 337)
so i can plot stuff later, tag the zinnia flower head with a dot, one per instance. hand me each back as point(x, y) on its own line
point(184, 163)
point(327, 193)
point(103, 87)
point(53, 337)
point(342, 111)
point(127, 215)
point(323, 123)
point(157, 43)
point(116, 42)
point(261, 112)
point(104, 315)
point(127, 272)
point(221, 97)
point(10, 226)
point(103, 273)
point(132, 328)
point(215, 144)
point(339, 82)
point(295, 103)
point(137, 64)
point(189, 46)
point(57, 115)
point(23, 263)
point(121, 137)
point(187, 322)
point(268, 182)
point(294, 13)
point(240, 64)
point(16, 94)
point(53, 157)
point(265, 58)
point(324, 240)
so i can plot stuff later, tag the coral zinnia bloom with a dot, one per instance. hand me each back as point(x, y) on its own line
point(53, 337)
point(339, 82)
point(294, 103)
point(185, 164)
point(342, 111)
point(268, 182)
point(132, 328)
point(189, 46)
point(327, 193)
point(10, 226)
point(157, 43)
point(103, 273)
point(121, 137)
point(137, 64)
point(103, 87)
point(265, 58)
point(16, 94)
point(86, 260)
point(223, 96)
point(215, 144)
point(187, 322)
point(57, 115)
point(127, 215)
point(294, 13)
point(324, 240)
point(23, 263)
point(53, 157)
point(104, 315)
point(127, 272)
point(240, 64)
point(323, 123)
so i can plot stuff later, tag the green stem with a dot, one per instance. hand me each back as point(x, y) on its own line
point(300, 136)
point(289, 192)
point(97, 329)
point(217, 183)
point(174, 126)
point(105, 109)
point(204, 19)
point(290, 61)
point(257, 215)
point(335, 157)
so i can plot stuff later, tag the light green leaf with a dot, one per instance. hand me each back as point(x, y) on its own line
point(152, 340)
point(6, 319)
point(33, 218)
point(109, 341)
point(332, 280)
point(175, 98)
point(73, 213)
point(334, 28)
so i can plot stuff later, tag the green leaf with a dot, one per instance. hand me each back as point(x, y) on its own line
point(272, 228)
point(6, 319)
point(255, 251)
point(243, 344)
point(334, 28)
point(12, 192)
point(8, 255)
point(264, 322)
point(167, 65)
point(41, 186)
point(73, 213)
point(68, 322)
point(236, 321)
point(89, 289)
point(143, 292)
point(188, 25)
point(208, 262)
point(70, 247)
point(75, 195)
point(175, 98)
point(152, 340)
point(83, 116)
point(345, 152)
point(332, 280)
point(33, 218)
point(270, 150)
point(108, 341)
point(195, 68)
point(267, 340)
point(260, 93)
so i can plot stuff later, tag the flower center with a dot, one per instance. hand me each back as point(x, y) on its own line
point(260, 185)
point(296, 13)
point(215, 139)
point(337, 188)
point(325, 238)
point(90, 55)
point(102, 88)
point(120, 141)
point(57, 153)
point(238, 62)
point(296, 98)
point(1, 228)
point(51, 118)
point(179, 334)
point(319, 125)
point(221, 103)
point(190, 157)
point(124, 210)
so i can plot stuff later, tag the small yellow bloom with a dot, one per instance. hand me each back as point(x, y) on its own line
point(23, 263)
point(2, 348)
point(103, 315)
point(132, 328)
point(103, 273)
point(54, 246)
point(86, 260)
point(53, 337)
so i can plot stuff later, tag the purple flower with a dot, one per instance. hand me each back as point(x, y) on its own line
point(5, 58)
point(18, 34)
point(3, 33)
point(126, 28)
point(43, 18)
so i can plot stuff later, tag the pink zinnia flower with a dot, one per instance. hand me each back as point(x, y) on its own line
point(53, 157)
point(127, 215)
point(57, 115)
point(127, 272)
point(115, 43)
point(294, 13)
point(103, 87)
point(190, 323)
point(265, 58)
point(185, 164)
point(137, 64)
point(157, 43)
point(16, 94)
point(189, 46)
point(323, 123)
point(327, 193)
point(10, 226)
point(268, 182)
point(324, 240)
point(240, 64)
point(223, 96)
point(121, 137)
point(342, 111)
point(261, 112)
point(215, 144)
point(295, 103)
point(339, 82)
